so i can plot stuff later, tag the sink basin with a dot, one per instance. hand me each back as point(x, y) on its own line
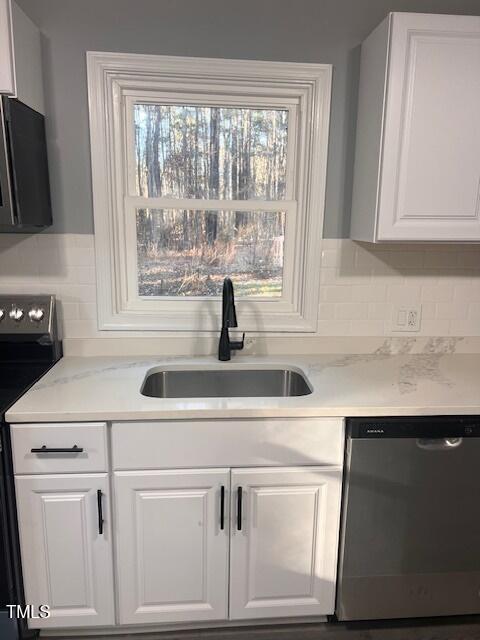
point(225, 383)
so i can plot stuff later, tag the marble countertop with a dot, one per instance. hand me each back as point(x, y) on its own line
point(437, 381)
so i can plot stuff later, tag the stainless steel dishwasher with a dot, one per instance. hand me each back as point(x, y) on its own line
point(410, 538)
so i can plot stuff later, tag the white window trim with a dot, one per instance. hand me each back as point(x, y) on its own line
point(112, 79)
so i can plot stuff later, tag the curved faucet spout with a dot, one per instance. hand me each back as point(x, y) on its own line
point(229, 315)
point(229, 320)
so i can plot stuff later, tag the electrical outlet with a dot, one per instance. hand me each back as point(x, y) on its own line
point(407, 318)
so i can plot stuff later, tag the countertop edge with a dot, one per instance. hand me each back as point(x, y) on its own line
point(195, 414)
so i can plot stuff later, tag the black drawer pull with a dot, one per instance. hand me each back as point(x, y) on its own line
point(239, 508)
point(222, 507)
point(46, 449)
point(100, 511)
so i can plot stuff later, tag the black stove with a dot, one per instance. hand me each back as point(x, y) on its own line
point(29, 347)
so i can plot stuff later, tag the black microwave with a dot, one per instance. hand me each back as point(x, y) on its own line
point(25, 205)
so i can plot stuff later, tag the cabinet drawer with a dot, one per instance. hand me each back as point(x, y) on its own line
point(90, 437)
point(230, 443)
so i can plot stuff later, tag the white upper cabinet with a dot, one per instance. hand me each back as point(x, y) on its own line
point(7, 66)
point(20, 57)
point(417, 158)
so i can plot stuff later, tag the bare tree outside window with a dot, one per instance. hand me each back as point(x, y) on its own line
point(210, 152)
point(216, 153)
point(174, 263)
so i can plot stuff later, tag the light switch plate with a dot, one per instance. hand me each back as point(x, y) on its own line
point(407, 318)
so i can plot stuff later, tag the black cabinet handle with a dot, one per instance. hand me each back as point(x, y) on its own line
point(239, 508)
point(100, 511)
point(45, 449)
point(222, 507)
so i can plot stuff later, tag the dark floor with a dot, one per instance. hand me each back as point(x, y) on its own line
point(446, 629)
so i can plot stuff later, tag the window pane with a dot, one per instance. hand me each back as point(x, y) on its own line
point(189, 252)
point(210, 152)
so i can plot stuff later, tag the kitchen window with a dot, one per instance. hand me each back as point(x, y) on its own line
point(201, 169)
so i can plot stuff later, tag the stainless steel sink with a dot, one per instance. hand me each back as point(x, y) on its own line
point(225, 383)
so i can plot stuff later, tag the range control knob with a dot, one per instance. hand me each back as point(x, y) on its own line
point(2, 314)
point(16, 314)
point(36, 314)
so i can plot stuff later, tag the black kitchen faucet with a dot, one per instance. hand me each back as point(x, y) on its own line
point(229, 320)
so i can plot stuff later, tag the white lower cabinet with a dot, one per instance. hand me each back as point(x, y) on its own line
point(173, 543)
point(172, 552)
point(66, 550)
point(184, 545)
point(284, 542)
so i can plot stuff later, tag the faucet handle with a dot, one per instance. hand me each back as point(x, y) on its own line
point(238, 345)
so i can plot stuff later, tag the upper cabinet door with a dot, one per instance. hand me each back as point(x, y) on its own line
point(7, 55)
point(20, 57)
point(284, 542)
point(172, 545)
point(417, 177)
point(66, 553)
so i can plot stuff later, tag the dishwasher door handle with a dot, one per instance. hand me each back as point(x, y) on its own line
point(439, 444)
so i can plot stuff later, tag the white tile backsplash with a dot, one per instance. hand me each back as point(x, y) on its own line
point(360, 284)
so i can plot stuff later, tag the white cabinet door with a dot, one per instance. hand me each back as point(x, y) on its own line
point(66, 558)
point(284, 544)
point(7, 64)
point(172, 550)
point(20, 57)
point(417, 153)
point(430, 174)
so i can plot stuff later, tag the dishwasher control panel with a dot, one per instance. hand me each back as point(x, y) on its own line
point(414, 427)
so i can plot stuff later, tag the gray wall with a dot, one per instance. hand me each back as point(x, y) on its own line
point(326, 31)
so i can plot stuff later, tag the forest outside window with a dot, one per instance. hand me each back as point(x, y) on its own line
point(191, 153)
point(208, 169)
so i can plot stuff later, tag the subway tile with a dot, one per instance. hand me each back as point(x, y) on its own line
point(85, 240)
point(360, 283)
point(447, 310)
point(369, 327)
point(442, 292)
point(471, 290)
point(381, 310)
point(434, 327)
point(369, 292)
point(79, 256)
point(351, 310)
point(469, 260)
point(69, 310)
point(339, 293)
point(87, 311)
point(50, 240)
point(329, 258)
point(403, 293)
point(346, 253)
point(429, 309)
point(328, 276)
point(442, 259)
point(423, 277)
point(326, 311)
point(465, 326)
point(333, 328)
point(83, 275)
point(405, 259)
point(474, 311)
point(342, 257)
point(369, 258)
point(77, 292)
point(353, 277)
point(80, 329)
